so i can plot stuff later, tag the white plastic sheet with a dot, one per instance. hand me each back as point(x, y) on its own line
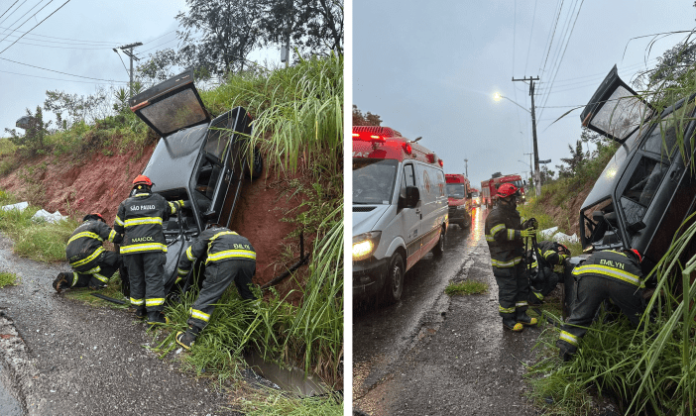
point(557, 236)
point(43, 215)
point(20, 206)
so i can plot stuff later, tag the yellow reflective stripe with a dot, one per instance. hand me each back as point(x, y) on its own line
point(497, 228)
point(505, 264)
point(609, 272)
point(547, 253)
point(141, 195)
point(172, 208)
point(221, 233)
point(178, 279)
point(112, 234)
point(85, 234)
point(520, 304)
point(538, 295)
point(137, 302)
point(569, 338)
point(74, 279)
point(143, 247)
point(182, 272)
point(617, 252)
point(144, 220)
point(229, 254)
point(195, 313)
point(86, 260)
point(506, 310)
point(490, 238)
point(101, 278)
point(534, 265)
point(119, 221)
point(154, 301)
point(189, 254)
point(511, 234)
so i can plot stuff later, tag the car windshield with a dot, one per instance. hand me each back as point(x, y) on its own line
point(373, 181)
point(455, 190)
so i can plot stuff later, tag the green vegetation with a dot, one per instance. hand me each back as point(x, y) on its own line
point(8, 279)
point(276, 404)
point(39, 241)
point(466, 287)
point(113, 289)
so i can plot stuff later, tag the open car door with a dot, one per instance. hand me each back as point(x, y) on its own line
point(171, 105)
point(615, 110)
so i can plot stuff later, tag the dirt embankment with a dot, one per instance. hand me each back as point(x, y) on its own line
point(566, 215)
point(98, 183)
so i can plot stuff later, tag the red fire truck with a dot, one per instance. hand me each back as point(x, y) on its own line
point(458, 199)
point(475, 197)
point(489, 188)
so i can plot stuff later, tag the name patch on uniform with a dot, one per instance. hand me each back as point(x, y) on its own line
point(141, 239)
point(141, 207)
point(242, 247)
point(614, 264)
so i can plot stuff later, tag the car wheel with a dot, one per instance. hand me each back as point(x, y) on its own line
point(439, 248)
point(394, 286)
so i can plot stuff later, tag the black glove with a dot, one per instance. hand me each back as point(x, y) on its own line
point(530, 223)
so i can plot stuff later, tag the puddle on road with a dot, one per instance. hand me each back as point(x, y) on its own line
point(9, 405)
point(292, 380)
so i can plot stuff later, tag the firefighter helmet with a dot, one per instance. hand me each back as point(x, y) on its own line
point(142, 180)
point(507, 189)
point(95, 215)
point(634, 251)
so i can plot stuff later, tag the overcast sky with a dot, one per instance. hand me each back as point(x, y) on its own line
point(78, 39)
point(431, 69)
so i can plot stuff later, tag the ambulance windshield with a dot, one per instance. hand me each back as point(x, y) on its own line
point(373, 180)
point(455, 190)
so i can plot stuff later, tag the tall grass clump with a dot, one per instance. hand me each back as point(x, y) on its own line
point(278, 404)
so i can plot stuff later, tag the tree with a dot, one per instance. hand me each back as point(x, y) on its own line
point(218, 34)
point(576, 159)
point(315, 26)
point(32, 141)
point(368, 119)
point(157, 67)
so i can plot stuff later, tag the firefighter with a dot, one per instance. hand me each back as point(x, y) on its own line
point(608, 274)
point(140, 219)
point(504, 235)
point(92, 265)
point(230, 258)
point(543, 279)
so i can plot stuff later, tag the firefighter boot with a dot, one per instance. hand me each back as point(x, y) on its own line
point(62, 281)
point(522, 318)
point(156, 318)
point(188, 338)
point(509, 323)
point(140, 313)
point(565, 353)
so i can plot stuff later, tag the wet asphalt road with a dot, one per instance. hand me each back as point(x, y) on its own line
point(432, 355)
point(86, 360)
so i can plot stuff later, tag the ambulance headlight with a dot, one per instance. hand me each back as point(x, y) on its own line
point(364, 245)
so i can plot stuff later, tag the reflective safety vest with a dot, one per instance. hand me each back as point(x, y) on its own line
point(503, 237)
point(85, 244)
point(221, 245)
point(611, 264)
point(140, 219)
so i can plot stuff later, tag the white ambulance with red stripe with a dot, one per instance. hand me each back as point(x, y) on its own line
point(399, 209)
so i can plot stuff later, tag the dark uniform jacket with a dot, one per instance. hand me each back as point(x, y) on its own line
point(503, 236)
point(548, 250)
point(140, 218)
point(85, 244)
point(611, 264)
point(221, 245)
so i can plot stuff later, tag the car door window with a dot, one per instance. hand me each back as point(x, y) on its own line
point(409, 175)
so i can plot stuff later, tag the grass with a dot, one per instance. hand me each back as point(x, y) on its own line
point(278, 404)
point(466, 287)
point(8, 279)
point(113, 289)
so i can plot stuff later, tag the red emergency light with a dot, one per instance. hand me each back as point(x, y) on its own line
point(366, 136)
point(440, 162)
point(430, 157)
point(407, 148)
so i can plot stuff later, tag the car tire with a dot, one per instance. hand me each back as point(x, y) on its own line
point(394, 284)
point(439, 248)
point(257, 169)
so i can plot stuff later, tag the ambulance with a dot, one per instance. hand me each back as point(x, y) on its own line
point(459, 199)
point(399, 210)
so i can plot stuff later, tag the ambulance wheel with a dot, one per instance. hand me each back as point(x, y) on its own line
point(394, 286)
point(439, 248)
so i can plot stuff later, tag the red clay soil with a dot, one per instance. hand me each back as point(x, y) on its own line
point(566, 217)
point(98, 183)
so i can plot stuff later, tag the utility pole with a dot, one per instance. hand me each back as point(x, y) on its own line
point(466, 167)
point(128, 51)
point(537, 175)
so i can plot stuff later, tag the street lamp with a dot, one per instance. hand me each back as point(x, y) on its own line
point(498, 97)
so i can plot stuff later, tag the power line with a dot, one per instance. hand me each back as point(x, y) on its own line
point(62, 79)
point(58, 72)
point(95, 43)
point(20, 18)
point(35, 26)
point(16, 8)
point(8, 9)
point(531, 32)
point(552, 33)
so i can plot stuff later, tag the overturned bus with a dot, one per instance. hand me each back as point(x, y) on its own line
point(197, 159)
point(646, 191)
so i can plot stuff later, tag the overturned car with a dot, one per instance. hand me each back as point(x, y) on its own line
point(197, 159)
point(646, 190)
